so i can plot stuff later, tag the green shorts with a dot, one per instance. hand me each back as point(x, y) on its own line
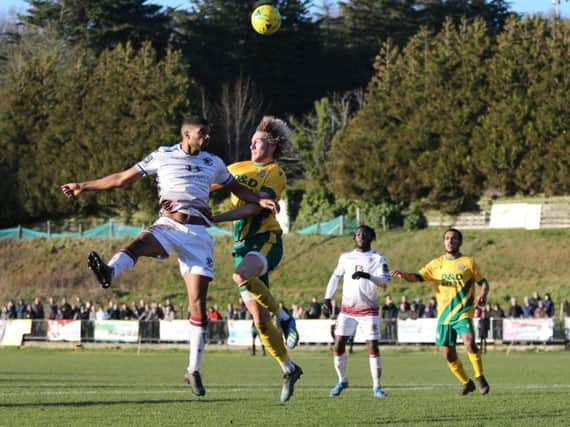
point(446, 335)
point(267, 244)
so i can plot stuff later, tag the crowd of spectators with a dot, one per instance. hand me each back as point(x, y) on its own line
point(86, 310)
point(534, 306)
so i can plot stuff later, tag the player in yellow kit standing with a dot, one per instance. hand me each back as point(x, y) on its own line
point(454, 276)
point(257, 243)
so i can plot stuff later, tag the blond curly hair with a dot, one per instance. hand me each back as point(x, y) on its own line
point(278, 132)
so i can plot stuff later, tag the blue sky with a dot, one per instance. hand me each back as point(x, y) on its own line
point(520, 6)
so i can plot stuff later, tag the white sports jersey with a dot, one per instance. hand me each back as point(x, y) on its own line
point(185, 179)
point(359, 296)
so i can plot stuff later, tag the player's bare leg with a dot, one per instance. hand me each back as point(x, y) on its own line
point(246, 276)
point(145, 244)
point(197, 288)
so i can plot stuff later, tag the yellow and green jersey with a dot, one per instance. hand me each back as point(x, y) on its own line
point(453, 281)
point(268, 178)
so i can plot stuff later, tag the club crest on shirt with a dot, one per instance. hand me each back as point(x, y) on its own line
point(461, 267)
point(261, 174)
point(208, 161)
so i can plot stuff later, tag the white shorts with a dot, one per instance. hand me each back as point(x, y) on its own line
point(192, 243)
point(369, 326)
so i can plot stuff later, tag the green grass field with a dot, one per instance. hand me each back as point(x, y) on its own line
point(119, 387)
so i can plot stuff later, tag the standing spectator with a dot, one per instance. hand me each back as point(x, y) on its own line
point(28, 314)
point(20, 309)
point(169, 315)
point(254, 335)
point(142, 308)
point(414, 313)
point(4, 313)
point(38, 309)
point(540, 310)
point(314, 310)
point(241, 309)
point(527, 308)
point(403, 309)
point(168, 303)
point(53, 308)
point(404, 304)
point(420, 307)
point(548, 305)
point(65, 309)
point(101, 314)
point(214, 315)
point(483, 330)
point(11, 310)
point(454, 276)
point(535, 298)
point(125, 312)
point(134, 309)
point(515, 310)
point(497, 312)
point(389, 316)
point(431, 310)
point(230, 313)
point(363, 270)
point(496, 315)
point(76, 308)
point(113, 311)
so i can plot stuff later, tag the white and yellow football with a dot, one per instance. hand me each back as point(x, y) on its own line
point(265, 19)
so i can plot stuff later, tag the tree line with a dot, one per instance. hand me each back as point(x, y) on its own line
point(396, 105)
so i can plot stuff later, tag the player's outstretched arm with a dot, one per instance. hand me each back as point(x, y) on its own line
point(245, 211)
point(119, 179)
point(408, 277)
point(245, 194)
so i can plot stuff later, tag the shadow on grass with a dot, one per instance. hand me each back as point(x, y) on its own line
point(89, 403)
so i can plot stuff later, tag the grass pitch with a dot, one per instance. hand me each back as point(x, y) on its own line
point(118, 387)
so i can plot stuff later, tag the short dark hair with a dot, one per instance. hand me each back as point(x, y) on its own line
point(195, 120)
point(455, 230)
point(367, 229)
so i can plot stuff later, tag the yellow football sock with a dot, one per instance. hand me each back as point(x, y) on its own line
point(260, 292)
point(456, 368)
point(272, 339)
point(475, 359)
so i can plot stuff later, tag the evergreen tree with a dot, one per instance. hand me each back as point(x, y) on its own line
point(68, 116)
point(101, 24)
point(217, 39)
point(411, 141)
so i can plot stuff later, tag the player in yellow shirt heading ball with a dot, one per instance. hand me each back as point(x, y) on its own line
point(257, 243)
point(454, 277)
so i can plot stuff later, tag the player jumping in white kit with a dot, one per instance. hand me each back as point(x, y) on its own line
point(185, 174)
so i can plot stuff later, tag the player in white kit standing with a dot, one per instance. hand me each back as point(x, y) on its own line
point(363, 270)
point(184, 176)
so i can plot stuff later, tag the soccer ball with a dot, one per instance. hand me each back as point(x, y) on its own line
point(266, 19)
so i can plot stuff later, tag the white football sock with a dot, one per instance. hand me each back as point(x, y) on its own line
point(340, 367)
point(376, 370)
point(197, 345)
point(120, 263)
